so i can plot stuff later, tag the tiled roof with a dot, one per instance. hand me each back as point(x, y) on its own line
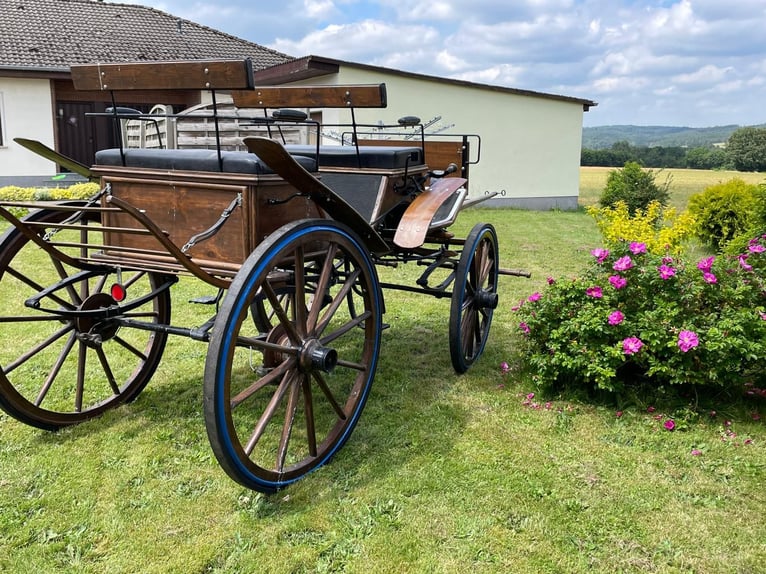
point(53, 34)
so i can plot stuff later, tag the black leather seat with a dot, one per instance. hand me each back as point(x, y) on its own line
point(381, 157)
point(193, 160)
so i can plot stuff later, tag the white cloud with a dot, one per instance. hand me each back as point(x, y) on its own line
point(695, 62)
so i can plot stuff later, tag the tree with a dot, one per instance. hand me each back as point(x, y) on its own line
point(747, 149)
point(635, 186)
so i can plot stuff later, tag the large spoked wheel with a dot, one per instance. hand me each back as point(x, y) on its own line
point(280, 404)
point(474, 297)
point(66, 358)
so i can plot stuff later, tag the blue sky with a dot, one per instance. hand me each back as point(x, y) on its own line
point(646, 62)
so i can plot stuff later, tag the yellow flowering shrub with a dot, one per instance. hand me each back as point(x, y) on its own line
point(662, 229)
point(16, 193)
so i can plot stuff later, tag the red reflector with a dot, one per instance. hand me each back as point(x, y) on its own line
point(118, 292)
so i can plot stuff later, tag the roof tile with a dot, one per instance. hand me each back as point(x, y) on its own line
point(54, 34)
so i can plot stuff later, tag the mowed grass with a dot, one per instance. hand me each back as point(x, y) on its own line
point(445, 473)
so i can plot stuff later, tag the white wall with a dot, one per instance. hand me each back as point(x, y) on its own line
point(26, 112)
point(530, 150)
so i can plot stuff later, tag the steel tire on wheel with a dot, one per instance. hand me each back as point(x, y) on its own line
point(474, 297)
point(58, 365)
point(280, 404)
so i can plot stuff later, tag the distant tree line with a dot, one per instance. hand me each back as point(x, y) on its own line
point(745, 150)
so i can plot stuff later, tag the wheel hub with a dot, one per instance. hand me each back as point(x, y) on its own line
point(485, 299)
point(315, 357)
point(95, 329)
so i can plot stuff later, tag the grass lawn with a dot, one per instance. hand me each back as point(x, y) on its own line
point(445, 473)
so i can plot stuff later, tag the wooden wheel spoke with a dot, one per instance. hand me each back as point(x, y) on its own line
point(32, 352)
point(299, 309)
point(107, 370)
point(324, 281)
point(350, 365)
point(322, 384)
point(130, 281)
point(355, 322)
point(287, 427)
point(82, 356)
point(271, 408)
point(130, 348)
point(268, 379)
point(55, 370)
point(37, 287)
point(469, 332)
point(281, 314)
point(308, 408)
point(76, 297)
point(337, 300)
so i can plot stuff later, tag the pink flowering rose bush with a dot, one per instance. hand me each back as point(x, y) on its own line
point(633, 317)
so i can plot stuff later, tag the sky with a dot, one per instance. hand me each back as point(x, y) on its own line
point(695, 63)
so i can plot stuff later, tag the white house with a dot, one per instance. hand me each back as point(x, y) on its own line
point(530, 141)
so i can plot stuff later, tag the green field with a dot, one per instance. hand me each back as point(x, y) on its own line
point(684, 182)
point(445, 473)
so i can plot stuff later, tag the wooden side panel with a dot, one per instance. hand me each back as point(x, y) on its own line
point(181, 210)
point(191, 75)
point(349, 96)
point(183, 204)
point(438, 154)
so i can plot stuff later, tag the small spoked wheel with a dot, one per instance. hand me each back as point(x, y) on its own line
point(65, 356)
point(279, 404)
point(474, 297)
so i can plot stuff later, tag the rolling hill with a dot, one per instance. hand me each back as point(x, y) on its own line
point(601, 137)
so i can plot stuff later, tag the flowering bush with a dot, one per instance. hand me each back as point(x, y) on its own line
point(659, 228)
point(634, 316)
point(16, 193)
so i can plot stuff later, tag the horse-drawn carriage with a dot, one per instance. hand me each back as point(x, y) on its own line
point(289, 236)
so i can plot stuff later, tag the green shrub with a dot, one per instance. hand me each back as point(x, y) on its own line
point(757, 226)
point(638, 318)
point(634, 186)
point(723, 211)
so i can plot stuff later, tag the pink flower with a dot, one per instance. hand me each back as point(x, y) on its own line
point(534, 297)
point(623, 263)
point(756, 416)
point(669, 424)
point(744, 264)
point(618, 414)
point(687, 340)
point(632, 345)
point(756, 248)
point(709, 278)
point(696, 452)
point(504, 367)
point(594, 292)
point(650, 409)
point(600, 254)
point(616, 317)
point(666, 271)
point(763, 315)
point(637, 247)
point(550, 280)
point(617, 281)
point(524, 327)
point(705, 265)
point(530, 396)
